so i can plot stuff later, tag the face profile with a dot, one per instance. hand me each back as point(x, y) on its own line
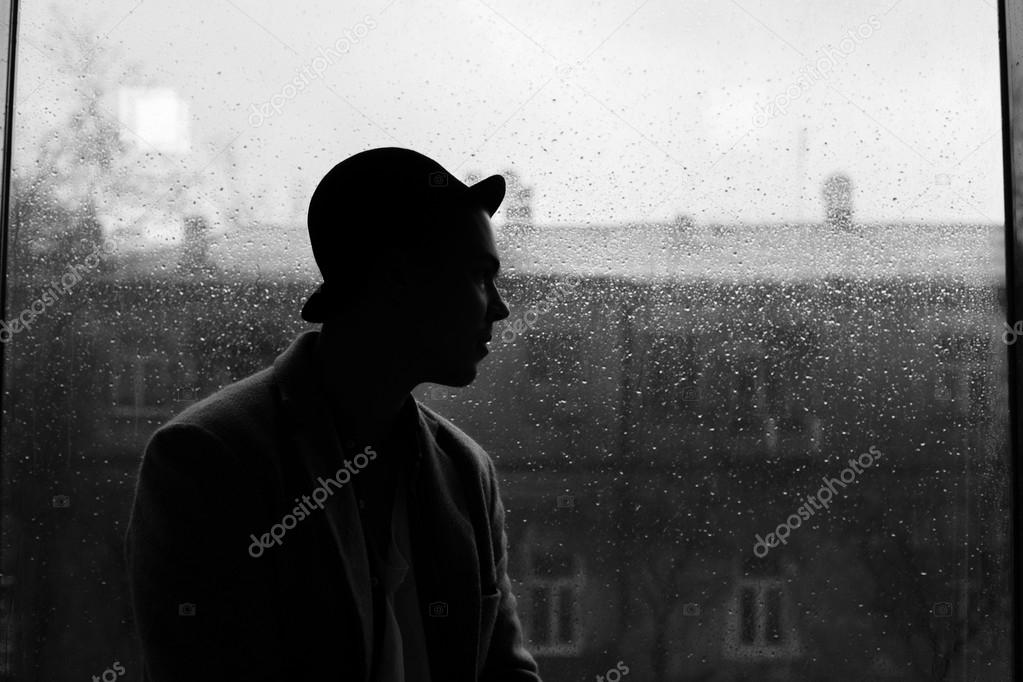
point(454, 301)
point(427, 313)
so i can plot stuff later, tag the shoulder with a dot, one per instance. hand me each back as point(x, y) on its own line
point(232, 415)
point(458, 445)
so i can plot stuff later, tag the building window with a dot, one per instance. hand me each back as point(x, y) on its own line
point(761, 626)
point(746, 397)
point(760, 613)
point(979, 407)
point(553, 583)
point(146, 383)
point(961, 376)
point(669, 374)
point(786, 388)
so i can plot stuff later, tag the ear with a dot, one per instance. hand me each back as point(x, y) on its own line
point(399, 283)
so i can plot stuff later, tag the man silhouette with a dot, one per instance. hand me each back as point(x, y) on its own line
point(314, 521)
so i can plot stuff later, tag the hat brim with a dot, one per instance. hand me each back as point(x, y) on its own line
point(489, 193)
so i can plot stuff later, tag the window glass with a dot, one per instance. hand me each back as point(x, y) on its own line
point(749, 409)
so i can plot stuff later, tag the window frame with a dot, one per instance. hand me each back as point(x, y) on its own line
point(1010, 38)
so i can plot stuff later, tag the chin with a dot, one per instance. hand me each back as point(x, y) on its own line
point(458, 378)
point(466, 377)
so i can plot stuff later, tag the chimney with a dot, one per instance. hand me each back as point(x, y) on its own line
point(838, 205)
point(518, 204)
point(195, 245)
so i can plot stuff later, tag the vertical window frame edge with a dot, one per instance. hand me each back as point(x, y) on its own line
point(1010, 22)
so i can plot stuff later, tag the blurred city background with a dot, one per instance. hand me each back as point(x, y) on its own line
point(742, 244)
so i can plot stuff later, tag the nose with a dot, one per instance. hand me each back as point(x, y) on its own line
point(496, 309)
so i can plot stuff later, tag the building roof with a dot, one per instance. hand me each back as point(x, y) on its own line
point(677, 251)
point(769, 252)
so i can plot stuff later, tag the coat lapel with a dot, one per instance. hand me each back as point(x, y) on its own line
point(443, 540)
point(321, 455)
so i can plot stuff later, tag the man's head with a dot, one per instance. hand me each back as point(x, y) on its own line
point(408, 258)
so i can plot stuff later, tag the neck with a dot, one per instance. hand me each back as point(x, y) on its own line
point(365, 387)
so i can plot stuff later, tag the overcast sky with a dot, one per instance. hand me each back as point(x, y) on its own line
point(612, 111)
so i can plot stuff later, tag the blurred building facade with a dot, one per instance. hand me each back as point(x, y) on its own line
point(668, 399)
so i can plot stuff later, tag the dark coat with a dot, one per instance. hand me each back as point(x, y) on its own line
point(231, 466)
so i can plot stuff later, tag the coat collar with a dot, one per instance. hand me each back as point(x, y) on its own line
point(298, 380)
